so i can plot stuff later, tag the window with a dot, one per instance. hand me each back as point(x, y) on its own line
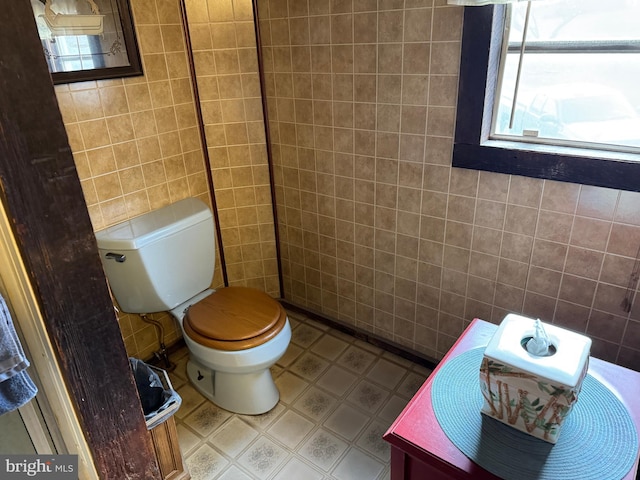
point(73, 53)
point(573, 81)
point(572, 113)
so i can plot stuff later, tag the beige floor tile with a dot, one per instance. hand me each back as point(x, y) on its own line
point(386, 373)
point(371, 441)
point(297, 469)
point(180, 361)
point(205, 463)
point(191, 399)
point(338, 395)
point(234, 473)
point(304, 335)
point(309, 366)
point(329, 347)
point(233, 437)
point(276, 370)
point(315, 403)
point(392, 408)
point(368, 396)
point(264, 420)
point(323, 449)
point(347, 422)
point(357, 465)
point(206, 418)
point(290, 429)
point(262, 458)
point(356, 359)
point(290, 356)
point(412, 383)
point(337, 380)
point(187, 439)
point(290, 386)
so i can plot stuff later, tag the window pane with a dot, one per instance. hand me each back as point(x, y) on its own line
point(588, 97)
point(577, 20)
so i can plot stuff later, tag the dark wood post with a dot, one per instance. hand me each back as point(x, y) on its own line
point(41, 193)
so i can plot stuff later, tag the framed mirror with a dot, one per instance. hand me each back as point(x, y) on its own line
point(87, 39)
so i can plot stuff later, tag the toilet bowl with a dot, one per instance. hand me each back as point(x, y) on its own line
point(164, 261)
point(229, 361)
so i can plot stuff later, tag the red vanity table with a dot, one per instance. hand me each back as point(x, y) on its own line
point(421, 450)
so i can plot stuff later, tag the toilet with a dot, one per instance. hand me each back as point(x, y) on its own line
point(164, 261)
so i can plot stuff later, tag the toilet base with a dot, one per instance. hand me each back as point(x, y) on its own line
point(245, 393)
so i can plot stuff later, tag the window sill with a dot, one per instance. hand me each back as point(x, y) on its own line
point(589, 167)
point(593, 153)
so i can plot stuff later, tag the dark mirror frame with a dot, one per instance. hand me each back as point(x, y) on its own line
point(131, 45)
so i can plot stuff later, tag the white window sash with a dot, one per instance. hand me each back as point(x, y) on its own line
point(520, 59)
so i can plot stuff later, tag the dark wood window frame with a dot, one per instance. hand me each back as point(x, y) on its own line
point(479, 67)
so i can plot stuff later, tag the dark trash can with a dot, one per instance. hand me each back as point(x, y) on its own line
point(159, 399)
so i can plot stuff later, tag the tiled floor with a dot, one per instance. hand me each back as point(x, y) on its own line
point(338, 395)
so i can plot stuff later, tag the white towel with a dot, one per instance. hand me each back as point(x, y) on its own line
point(16, 387)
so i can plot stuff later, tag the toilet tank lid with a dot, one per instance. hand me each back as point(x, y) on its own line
point(149, 227)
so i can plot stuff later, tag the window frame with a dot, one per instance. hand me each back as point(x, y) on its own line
point(472, 149)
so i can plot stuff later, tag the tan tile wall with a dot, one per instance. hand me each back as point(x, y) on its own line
point(224, 46)
point(380, 232)
point(377, 229)
point(137, 147)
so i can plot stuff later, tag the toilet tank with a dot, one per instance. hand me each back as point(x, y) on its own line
point(158, 260)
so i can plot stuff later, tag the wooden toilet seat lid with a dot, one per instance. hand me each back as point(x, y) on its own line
point(234, 318)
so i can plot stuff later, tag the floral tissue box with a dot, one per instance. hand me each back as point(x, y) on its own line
point(533, 392)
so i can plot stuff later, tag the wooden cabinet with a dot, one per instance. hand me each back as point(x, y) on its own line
point(165, 443)
point(421, 450)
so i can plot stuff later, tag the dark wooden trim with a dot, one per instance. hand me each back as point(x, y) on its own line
point(368, 337)
point(481, 44)
point(43, 199)
point(473, 88)
point(267, 133)
point(550, 166)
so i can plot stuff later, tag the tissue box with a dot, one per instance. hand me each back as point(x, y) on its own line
point(531, 393)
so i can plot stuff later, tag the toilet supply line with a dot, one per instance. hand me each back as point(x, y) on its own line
point(160, 355)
